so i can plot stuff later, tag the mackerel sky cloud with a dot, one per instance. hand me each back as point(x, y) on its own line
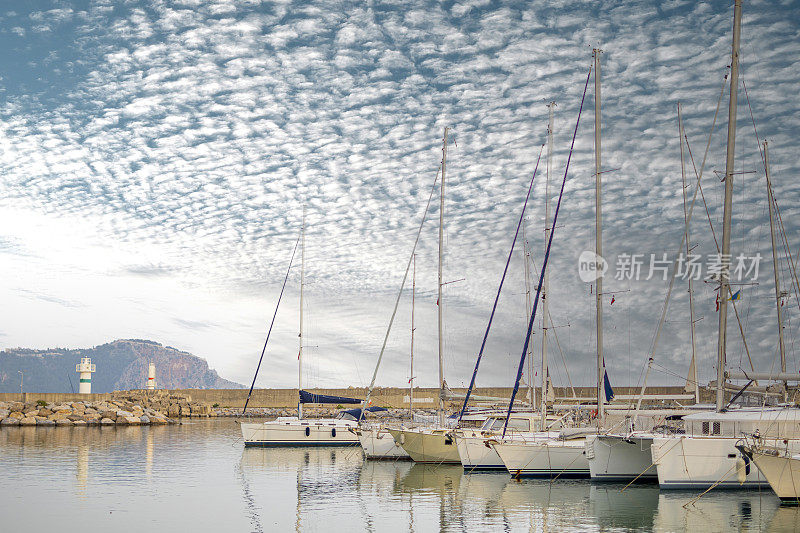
point(157, 156)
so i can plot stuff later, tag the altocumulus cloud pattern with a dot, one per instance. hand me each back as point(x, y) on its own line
point(156, 157)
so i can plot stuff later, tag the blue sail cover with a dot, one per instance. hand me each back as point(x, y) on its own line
point(607, 387)
point(356, 413)
point(308, 397)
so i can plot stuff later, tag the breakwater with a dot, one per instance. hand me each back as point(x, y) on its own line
point(129, 408)
point(205, 401)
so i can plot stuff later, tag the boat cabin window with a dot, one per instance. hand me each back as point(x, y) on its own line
point(518, 424)
point(732, 428)
point(487, 424)
point(711, 428)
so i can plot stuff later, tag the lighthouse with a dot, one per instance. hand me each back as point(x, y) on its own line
point(85, 368)
point(151, 377)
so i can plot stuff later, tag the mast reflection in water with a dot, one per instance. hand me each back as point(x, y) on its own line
point(197, 477)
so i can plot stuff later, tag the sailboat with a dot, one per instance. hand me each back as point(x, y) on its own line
point(707, 454)
point(434, 444)
point(779, 464)
point(565, 455)
point(474, 445)
point(623, 456)
point(299, 431)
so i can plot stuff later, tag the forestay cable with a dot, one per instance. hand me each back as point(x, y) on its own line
point(500, 288)
point(264, 349)
point(399, 294)
point(544, 263)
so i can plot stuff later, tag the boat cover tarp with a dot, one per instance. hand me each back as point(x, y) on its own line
point(308, 397)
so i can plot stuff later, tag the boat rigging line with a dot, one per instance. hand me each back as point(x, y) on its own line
point(399, 294)
point(687, 221)
point(544, 262)
point(264, 349)
point(500, 288)
point(558, 345)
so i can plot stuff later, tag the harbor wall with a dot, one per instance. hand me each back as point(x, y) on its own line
point(393, 397)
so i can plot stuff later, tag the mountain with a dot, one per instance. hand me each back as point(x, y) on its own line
point(121, 365)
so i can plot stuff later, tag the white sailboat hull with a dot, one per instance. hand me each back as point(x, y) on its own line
point(475, 453)
point(618, 458)
point(782, 473)
point(435, 446)
point(287, 431)
point(550, 459)
point(699, 462)
point(378, 443)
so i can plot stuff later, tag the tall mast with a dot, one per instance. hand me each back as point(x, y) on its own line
point(725, 259)
point(441, 282)
point(302, 284)
point(528, 310)
point(693, 364)
point(546, 283)
point(778, 295)
point(598, 234)
point(411, 371)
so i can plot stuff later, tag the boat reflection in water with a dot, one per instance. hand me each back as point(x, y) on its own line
point(312, 481)
point(633, 508)
point(85, 473)
point(720, 511)
point(786, 518)
point(402, 496)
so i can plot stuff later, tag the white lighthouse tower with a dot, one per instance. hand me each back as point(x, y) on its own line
point(151, 377)
point(85, 368)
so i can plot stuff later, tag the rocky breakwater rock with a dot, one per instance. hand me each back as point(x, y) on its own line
point(139, 403)
point(131, 408)
point(77, 414)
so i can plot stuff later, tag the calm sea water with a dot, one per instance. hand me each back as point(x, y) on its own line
point(198, 477)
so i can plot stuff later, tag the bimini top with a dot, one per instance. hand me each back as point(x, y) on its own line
point(355, 414)
point(308, 397)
